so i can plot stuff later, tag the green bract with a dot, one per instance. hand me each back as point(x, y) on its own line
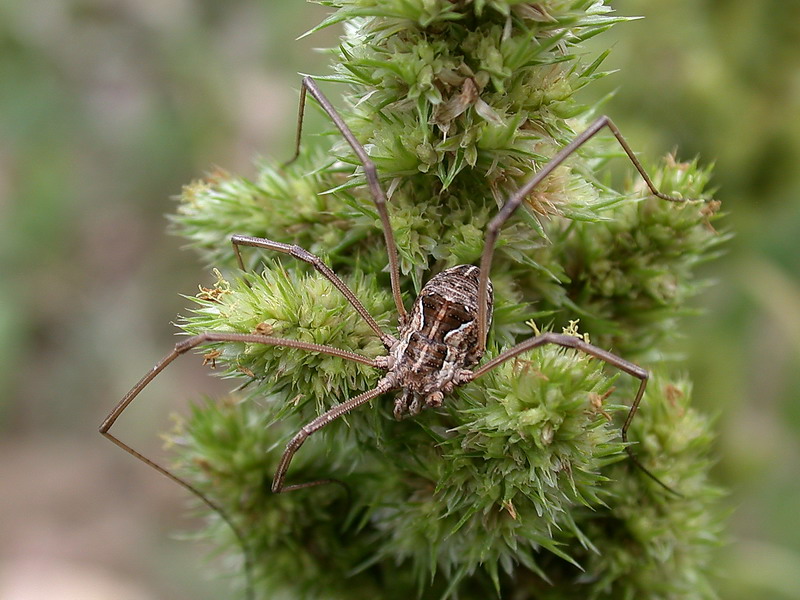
point(519, 486)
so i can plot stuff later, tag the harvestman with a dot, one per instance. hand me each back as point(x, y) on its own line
point(437, 341)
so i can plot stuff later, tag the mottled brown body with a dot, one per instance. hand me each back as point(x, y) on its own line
point(439, 340)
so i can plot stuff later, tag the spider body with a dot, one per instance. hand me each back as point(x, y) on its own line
point(438, 340)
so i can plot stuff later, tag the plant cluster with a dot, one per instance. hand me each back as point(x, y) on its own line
point(518, 487)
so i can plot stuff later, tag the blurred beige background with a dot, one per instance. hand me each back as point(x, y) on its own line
point(108, 107)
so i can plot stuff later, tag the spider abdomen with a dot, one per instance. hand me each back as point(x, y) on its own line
point(439, 339)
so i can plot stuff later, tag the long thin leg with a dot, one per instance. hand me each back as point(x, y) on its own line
point(570, 341)
point(493, 228)
point(370, 171)
point(182, 348)
point(384, 385)
point(321, 267)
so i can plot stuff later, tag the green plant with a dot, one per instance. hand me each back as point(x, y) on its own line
point(519, 486)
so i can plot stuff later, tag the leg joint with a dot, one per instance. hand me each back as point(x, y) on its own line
point(297, 440)
point(370, 170)
point(305, 255)
point(568, 341)
point(189, 343)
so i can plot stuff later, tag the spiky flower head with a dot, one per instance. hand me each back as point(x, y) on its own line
point(518, 486)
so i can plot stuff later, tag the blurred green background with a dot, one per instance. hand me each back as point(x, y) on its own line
point(108, 107)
